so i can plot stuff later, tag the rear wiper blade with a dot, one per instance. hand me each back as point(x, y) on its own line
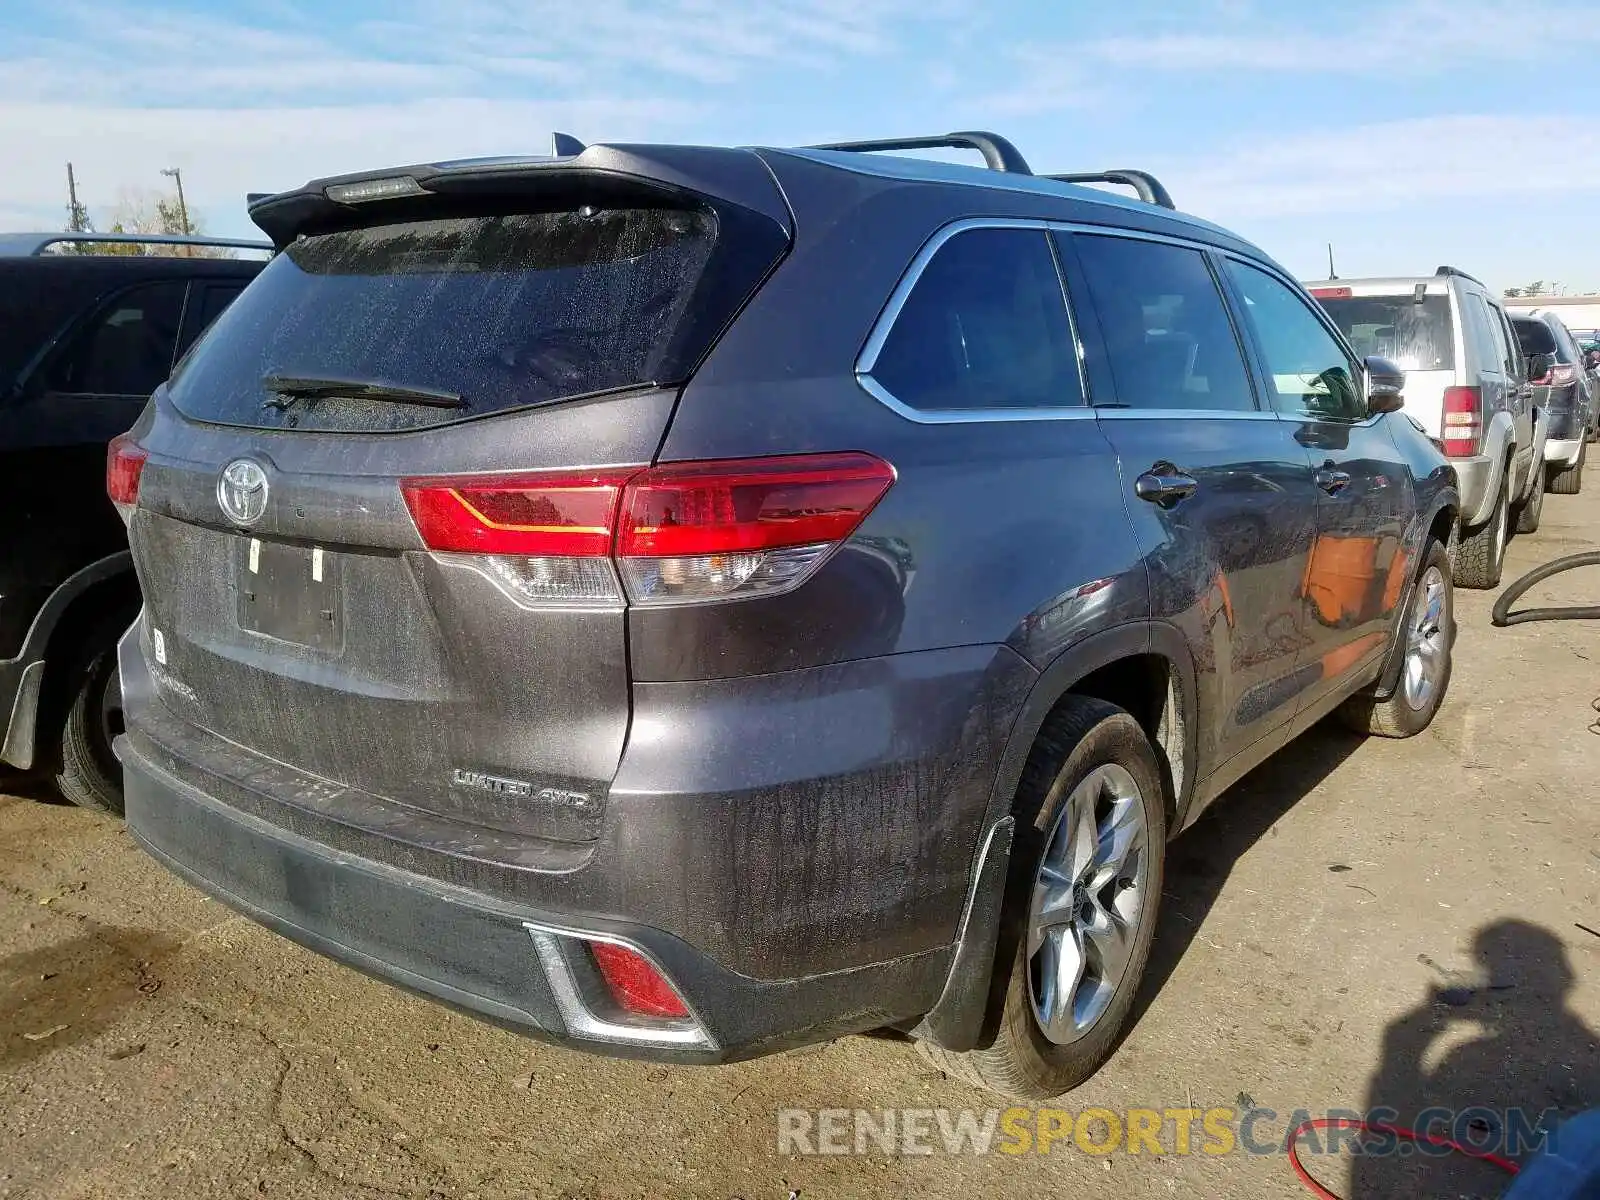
point(286, 389)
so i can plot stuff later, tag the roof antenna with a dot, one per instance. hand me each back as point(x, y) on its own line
point(1331, 274)
point(564, 145)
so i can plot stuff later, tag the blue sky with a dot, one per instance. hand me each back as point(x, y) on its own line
point(1407, 132)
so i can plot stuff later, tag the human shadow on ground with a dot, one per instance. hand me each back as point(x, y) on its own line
point(1492, 1056)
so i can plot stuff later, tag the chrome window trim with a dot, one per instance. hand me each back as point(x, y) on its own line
point(881, 328)
point(551, 943)
point(1186, 414)
point(879, 334)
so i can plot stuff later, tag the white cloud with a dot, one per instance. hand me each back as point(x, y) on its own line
point(1408, 37)
point(245, 105)
point(1387, 165)
point(1399, 38)
point(227, 153)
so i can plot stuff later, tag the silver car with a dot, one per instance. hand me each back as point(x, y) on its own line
point(1467, 386)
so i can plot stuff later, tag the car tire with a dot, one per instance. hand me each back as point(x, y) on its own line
point(88, 773)
point(1092, 770)
point(1531, 510)
point(1568, 481)
point(1429, 629)
point(1481, 551)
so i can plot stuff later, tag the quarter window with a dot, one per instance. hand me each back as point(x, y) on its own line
point(984, 327)
point(1168, 341)
point(1486, 330)
point(1311, 373)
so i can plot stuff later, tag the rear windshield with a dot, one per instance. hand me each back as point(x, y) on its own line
point(1531, 332)
point(502, 311)
point(1416, 336)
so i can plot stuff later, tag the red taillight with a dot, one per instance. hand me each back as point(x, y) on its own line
point(1462, 431)
point(1560, 375)
point(681, 532)
point(635, 983)
point(125, 460)
point(534, 514)
point(756, 504)
point(1333, 293)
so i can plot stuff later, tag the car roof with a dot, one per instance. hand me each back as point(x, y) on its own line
point(1379, 285)
point(924, 170)
point(735, 173)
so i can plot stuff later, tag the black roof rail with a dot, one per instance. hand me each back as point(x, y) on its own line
point(999, 154)
point(34, 244)
point(1147, 186)
point(1449, 270)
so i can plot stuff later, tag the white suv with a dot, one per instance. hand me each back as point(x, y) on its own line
point(1467, 386)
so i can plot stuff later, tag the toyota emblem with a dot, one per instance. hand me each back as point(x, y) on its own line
point(242, 491)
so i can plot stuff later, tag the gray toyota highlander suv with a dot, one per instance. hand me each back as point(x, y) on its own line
point(688, 602)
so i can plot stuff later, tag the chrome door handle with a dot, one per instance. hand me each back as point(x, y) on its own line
point(1331, 481)
point(1164, 485)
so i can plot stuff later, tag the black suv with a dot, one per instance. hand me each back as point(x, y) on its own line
point(85, 337)
point(687, 602)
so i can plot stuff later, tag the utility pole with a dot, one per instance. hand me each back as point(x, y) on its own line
point(176, 176)
point(77, 214)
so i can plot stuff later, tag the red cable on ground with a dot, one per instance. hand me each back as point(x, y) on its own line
point(1291, 1144)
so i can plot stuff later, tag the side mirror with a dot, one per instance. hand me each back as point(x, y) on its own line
point(1385, 385)
point(1540, 365)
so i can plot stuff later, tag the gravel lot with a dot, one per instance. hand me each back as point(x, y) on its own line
point(1357, 923)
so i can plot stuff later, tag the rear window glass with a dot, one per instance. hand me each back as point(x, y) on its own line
point(1415, 336)
point(502, 311)
point(1531, 336)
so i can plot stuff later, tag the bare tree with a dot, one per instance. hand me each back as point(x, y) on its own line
point(142, 210)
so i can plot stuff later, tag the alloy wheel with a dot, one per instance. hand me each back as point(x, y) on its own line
point(1089, 897)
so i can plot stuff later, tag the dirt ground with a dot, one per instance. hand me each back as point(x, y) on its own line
point(1359, 922)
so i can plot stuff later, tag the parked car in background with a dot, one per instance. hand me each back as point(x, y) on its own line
point(1562, 389)
point(1588, 341)
point(527, 561)
point(1467, 383)
point(85, 337)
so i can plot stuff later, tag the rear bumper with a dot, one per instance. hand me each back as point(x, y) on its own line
point(1563, 450)
point(479, 954)
point(1477, 478)
point(793, 851)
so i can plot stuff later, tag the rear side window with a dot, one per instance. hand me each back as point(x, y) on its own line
point(1416, 335)
point(206, 303)
point(503, 311)
point(1566, 348)
point(984, 327)
point(126, 348)
point(1488, 333)
point(1168, 341)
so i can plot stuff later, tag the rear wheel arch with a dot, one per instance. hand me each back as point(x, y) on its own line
point(1143, 667)
point(103, 608)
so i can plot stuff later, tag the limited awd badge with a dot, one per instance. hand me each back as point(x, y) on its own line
point(242, 491)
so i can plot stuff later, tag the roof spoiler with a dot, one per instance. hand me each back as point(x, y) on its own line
point(610, 174)
point(1457, 271)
